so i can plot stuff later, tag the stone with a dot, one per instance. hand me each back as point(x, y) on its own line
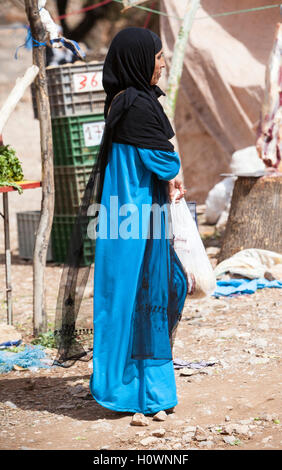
point(212, 251)
point(244, 335)
point(227, 429)
point(208, 332)
point(259, 342)
point(263, 326)
point(230, 440)
point(276, 271)
point(258, 360)
point(200, 434)
point(177, 445)
point(236, 428)
point(160, 416)
point(251, 351)
point(187, 437)
point(246, 421)
point(66, 406)
point(101, 426)
point(223, 363)
point(188, 372)
point(190, 429)
point(140, 433)
point(138, 419)
point(159, 432)
point(10, 404)
point(241, 429)
point(177, 422)
point(227, 418)
point(229, 333)
point(149, 441)
point(79, 391)
point(207, 444)
point(268, 417)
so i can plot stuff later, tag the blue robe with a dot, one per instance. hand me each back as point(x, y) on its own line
point(119, 382)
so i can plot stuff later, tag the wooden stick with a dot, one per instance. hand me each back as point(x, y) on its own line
point(16, 94)
point(47, 203)
point(130, 3)
point(177, 64)
point(178, 57)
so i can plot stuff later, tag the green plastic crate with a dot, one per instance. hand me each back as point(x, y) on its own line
point(61, 232)
point(70, 184)
point(76, 139)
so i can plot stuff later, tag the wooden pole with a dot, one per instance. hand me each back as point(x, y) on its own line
point(176, 67)
point(6, 221)
point(178, 57)
point(7, 260)
point(47, 202)
point(22, 83)
point(8, 107)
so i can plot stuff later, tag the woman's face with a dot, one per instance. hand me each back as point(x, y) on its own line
point(159, 65)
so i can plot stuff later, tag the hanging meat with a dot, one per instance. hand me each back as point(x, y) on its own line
point(269, 142)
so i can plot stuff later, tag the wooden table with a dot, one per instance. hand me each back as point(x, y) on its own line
point(5, 190)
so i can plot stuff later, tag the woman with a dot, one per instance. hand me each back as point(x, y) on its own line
point(139, 284)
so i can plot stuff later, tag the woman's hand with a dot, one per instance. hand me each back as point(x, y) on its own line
point(173, 185)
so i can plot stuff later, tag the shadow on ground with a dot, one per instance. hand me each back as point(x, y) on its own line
point(54, 394)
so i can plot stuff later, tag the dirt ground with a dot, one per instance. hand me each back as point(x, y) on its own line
point(236, 403)
point(233, 404)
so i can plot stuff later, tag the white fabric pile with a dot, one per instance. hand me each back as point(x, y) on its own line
point(252, 264)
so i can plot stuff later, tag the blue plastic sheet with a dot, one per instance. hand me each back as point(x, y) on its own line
point(243, 286)
point(31, 356)
point(10, 343)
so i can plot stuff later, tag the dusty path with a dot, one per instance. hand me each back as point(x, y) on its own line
point(236, 402)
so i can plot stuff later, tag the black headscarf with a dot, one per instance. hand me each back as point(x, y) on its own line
point(133, 116)
point(129, 66)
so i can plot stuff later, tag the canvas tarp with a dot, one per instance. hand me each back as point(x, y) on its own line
point(222, 85)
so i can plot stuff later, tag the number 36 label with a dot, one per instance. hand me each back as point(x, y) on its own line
point(90, 81)
point(93, 132)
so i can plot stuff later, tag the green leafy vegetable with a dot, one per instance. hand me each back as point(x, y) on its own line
point(47, 340)
point(10, 168)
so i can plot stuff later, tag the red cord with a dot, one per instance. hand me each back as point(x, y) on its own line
point(147, 21)
point(92, 7)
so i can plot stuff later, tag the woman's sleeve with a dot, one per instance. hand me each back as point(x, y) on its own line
point(165, 165)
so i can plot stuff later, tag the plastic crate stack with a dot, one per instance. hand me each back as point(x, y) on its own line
point(77, 105)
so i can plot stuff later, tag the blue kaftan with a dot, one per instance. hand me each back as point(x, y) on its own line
point(119, 382)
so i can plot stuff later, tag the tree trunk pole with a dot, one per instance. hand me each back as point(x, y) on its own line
point(255, 216)
point(47, 202)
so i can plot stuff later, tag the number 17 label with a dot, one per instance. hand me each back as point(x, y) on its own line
point(93, 132)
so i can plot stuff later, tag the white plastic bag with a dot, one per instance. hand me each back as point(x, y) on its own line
point(190, 249)
point(219, 199)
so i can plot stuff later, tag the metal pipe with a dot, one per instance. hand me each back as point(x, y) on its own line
point(7, 259)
